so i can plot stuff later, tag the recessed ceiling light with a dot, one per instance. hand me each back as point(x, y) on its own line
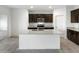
point(50, 7)
point(31, 7)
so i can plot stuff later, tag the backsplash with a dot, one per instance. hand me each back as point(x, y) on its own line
point(45, 24)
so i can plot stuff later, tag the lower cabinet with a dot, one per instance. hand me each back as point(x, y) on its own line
point(73, 36)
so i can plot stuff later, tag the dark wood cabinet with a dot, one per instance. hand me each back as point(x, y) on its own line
point(73, 36)
point(47, 17)
point(32, 18)
point(75, 16)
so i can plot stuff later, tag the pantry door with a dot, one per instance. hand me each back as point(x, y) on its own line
point(60, 22)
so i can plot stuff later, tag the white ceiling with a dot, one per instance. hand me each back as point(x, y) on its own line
point(36, 7)
point(43, 8)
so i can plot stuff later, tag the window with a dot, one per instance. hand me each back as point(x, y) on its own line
point(3, 22)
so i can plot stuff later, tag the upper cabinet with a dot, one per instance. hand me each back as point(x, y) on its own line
point(47, 18)
point(75, 16)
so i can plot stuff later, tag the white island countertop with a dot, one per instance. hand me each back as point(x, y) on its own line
point(43, 32)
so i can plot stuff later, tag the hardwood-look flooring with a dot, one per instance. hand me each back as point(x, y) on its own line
point(10, 45)
point(68, 46)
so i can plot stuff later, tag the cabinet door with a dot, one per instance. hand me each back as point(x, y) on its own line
point(74, 37)
point(48, 17)
point(30, 18)
point(72, 16)
point(78, 19)
point(35, 17)
point(68, 34)
point(75, 16)
point(77, 38)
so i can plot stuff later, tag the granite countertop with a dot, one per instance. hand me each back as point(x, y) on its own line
point(74, 29)
point(41, 27)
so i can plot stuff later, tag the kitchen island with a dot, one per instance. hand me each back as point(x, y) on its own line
point(39, 40)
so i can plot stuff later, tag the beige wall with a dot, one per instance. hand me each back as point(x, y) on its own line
point(19, 21)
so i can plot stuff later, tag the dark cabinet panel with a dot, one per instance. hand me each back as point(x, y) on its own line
point(77, 21)
point(73, 36)
point(78, 38)
point(75, 16)
point(32, 18)
point(47, 17)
